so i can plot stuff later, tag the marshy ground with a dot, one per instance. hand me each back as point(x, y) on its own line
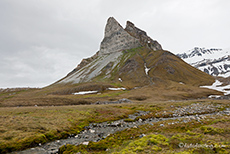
point(27, 127)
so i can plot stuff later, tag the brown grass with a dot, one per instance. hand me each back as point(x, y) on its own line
point(55, 96)
point(21, 127)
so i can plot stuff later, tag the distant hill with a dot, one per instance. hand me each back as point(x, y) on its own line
point(213, 61)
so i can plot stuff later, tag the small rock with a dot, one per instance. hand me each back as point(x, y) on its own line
point(92, 131)
point(71, 135)
point(227, 112)
point(161, 125)
point(142, 135)
point(124, 100)
point(86, 136)
point(100, 134)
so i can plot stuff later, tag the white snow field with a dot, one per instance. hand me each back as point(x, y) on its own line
point(217, 86)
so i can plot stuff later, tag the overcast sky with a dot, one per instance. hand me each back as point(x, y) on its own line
point(43, 40)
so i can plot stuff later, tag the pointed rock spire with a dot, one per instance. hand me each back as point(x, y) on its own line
point(116, 38)
point(112, 26)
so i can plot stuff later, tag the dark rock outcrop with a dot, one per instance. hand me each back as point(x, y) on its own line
point(142, 36)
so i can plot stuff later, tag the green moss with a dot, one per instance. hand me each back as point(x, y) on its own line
point(184, 152)
point(66, 149)
point(219, 120)
point(156, 148)
point(211, 130)
point(175, 140)
point(191, 133)
point(153, 142)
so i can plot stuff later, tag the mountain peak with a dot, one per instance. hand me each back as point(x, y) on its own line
point(136, 32)
point(112, 26)
point(116, 38)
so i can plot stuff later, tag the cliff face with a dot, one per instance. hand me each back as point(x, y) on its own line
point(142, 37)
point(116, 38)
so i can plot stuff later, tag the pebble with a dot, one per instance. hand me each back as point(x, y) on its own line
point(92, 131)
point(142, 135)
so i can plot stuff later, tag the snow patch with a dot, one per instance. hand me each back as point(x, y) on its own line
point(181, 83)
point(225, 75)
point(116, 88)
point(214, 96)
point(146, 69)
point(84, 92)
point(217, 86)
point(85, 143)
point(120, 79)
point(213, 61)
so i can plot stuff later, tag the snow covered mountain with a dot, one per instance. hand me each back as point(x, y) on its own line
point(215, 62)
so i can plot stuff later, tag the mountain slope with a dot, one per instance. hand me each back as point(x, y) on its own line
point(215, 62)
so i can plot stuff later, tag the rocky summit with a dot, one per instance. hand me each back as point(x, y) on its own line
point(118, 39)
